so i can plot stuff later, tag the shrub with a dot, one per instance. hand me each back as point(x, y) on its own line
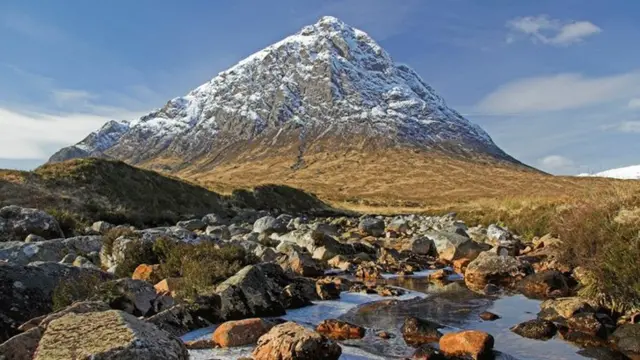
point(138, 252)
point(70, 223)
point(110, 236)
point(79, 289)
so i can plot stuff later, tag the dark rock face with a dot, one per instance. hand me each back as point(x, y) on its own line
point(417, 332)
point(26, 292)
point(16, 223)
point(535, 329)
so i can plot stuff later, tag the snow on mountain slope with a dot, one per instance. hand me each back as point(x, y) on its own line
point(629, 172)
point(96, 143)
point(328, 79)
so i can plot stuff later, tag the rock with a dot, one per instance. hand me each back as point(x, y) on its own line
point(298, 294)
point(83, 262)
point(290, 341)
point(240, 332)
point(26, 292)
point(399, 226)
point(19, 222)
point(218, 232)
point(169, 286)
point(326, 229)
point(109, 334)
point(269, 225)
point(192, 225)
point(489, 316)
point(602, 354)
point(22, 346)
point(497, 235)
point(490, 268)
point(535, 329)
point(372, 226)
point(384, 335)
point(214, 220)
point(440, 274)
point(340, 330)
point(31, 238)
point(581, 339)
point(323, 254)
point(563, 308)
point(473, 343)
point(302, 264)
point(418, 245)
point(428, 352)
point(23, 253)
point(340, 262)
point(101, 227)
point(136, 297)
point(587, 323)
point(544, 285)
point(149, 273)
point(201, 344)
point(460, 265)
point(417, 332)
point(369, 271)
point(182, 318)
point(255, 291)
point(627, 339)
point(452, 246)
point(327, 290)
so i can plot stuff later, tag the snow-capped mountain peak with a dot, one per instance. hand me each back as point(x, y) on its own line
point(328, 79)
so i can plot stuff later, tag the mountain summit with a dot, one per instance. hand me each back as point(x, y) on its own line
point(327, 81)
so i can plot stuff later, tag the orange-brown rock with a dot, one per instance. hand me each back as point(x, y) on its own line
point(476, 344)
point(168, 286)
point(340, 330)
point(150, 273)
point(290, 341)
point(241, 332)
point(460, 265)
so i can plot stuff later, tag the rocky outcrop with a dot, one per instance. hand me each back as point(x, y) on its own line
point(290, 341)
point(55, 250)
point(107, 335)
point(16, 223)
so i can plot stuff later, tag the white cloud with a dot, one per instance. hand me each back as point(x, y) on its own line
point(625, 127)
point(62, 96)
point(543, 29)
point(556, 164)
point(634, 103)
point(30, 135)
point(559, 92)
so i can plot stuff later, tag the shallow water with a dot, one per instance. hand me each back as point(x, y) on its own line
point(449, 304)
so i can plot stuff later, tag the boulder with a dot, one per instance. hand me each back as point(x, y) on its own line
point(340, 330)
point(327, 290)
point(109, 334)
point(476, 344)
point(169, 286)
point(544, 285)
point(182, 318)
point(489, 316)
point(255, 291)
point(301, 263)
point(136, 297)
point(149, 273)
point(269, 225)
point(587, 323)
point(23, 253)
point(399, 225)
point(290, 341)
point(240, 332)
point(17, 223)
point(101, 227)
point(490, 268)
point(418, 245)
point(214, 220)
point(218, 232)
point(428, 352)
point(452, 246)
point(22, 346)
point(564, 308)
point(372, 226)
point(536, 329)
point(192, 225)
point(417, 332)
point(298, 294)
point(368, 270)
point(27, 292)
point(627, 339)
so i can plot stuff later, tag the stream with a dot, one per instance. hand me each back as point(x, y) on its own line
point(450, 304)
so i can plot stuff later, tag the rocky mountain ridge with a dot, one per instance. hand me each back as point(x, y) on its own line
point(327, 81)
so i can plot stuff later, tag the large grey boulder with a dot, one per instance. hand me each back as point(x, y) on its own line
point(136, 297)
point(27, 292)
point(491, 268)
point(452, 246)
point(372, 226)
point(627, 339)
point(107, 335)
point(17, 223)
point(255, 291)
point(269, 225)
point(23, 253)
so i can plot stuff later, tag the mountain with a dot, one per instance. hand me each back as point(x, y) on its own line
point(326, 110)
point(629, 172)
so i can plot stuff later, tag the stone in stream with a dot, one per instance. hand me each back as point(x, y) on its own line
point(452, 246)
point(476, 344)
point(535, 329)
point(563, 308)
point(491, 268)
point(340, 330)
point(627, 339)
point(428, 352)
point(544, 285)
point(489, 316)
point(240, 332)
point(290, 341)
point(587, 323)
point(417, 332)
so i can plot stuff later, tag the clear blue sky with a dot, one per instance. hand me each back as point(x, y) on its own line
point(555, 83)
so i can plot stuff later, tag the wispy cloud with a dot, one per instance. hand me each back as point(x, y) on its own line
point(557, 164)
point(559, 92)
point(634, 104)
point(632, 126)
point(545, 30)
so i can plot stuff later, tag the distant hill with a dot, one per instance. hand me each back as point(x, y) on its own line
point(628, 172)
